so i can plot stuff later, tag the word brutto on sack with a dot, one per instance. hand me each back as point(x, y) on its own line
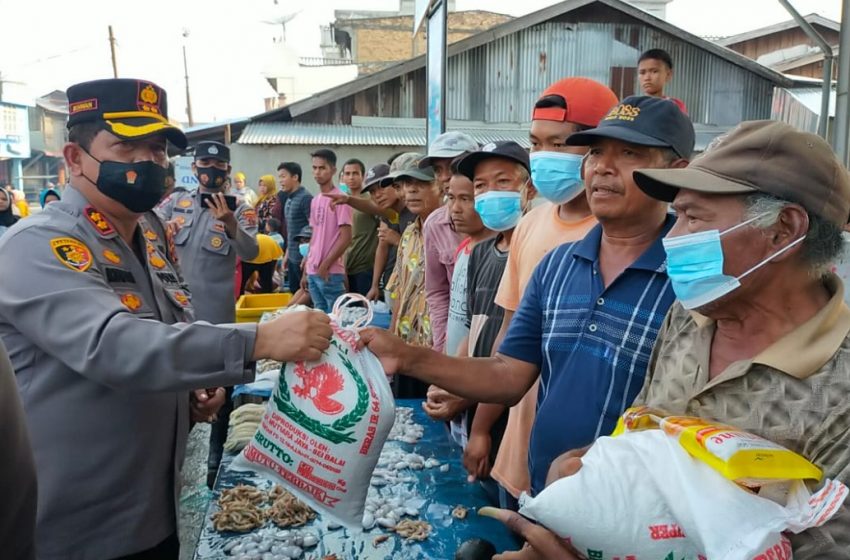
point(324, 428)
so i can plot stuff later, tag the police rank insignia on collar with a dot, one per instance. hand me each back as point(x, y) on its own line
point(94, 216)
point(151, 235)
point(72, 253)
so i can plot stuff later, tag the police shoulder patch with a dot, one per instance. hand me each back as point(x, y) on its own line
point(250, 217)
point(72, 253)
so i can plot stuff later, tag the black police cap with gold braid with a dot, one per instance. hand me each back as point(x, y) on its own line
point(129, 109)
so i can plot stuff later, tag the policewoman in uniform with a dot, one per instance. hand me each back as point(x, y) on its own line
point(210, 236)
point(96, 321)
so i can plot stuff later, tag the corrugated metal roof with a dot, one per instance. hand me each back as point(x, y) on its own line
point(811, 98)
point(785, 25)
point(293, 133)
point(800, 107)
point(408, 134)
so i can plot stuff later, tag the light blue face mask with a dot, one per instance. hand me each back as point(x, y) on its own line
point(304, 248)
point(499, 210)
point(695, 266)
point(557, 175)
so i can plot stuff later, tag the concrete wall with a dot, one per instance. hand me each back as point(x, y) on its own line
point(375, 42)
point(256, 161)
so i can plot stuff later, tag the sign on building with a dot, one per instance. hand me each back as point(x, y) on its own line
point(183, 176)
point(14, 131)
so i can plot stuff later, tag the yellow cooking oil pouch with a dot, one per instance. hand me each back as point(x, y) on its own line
point(746, 458)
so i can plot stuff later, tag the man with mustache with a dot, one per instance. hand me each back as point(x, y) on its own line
point(592, 310)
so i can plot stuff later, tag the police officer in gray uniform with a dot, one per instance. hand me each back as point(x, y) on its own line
point(209, 236)
point(96, 321)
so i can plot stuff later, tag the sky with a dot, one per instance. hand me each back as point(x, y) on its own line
point(228, 45)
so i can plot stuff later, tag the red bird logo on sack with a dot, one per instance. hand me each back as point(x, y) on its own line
point(318, 385)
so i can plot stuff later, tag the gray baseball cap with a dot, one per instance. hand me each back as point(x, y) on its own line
point(407, 165)
point(449, 145)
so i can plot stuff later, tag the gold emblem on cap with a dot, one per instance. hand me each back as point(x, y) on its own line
point(149, 95)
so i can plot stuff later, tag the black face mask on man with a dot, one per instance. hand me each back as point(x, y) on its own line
point(138, 186)
point(211, 178)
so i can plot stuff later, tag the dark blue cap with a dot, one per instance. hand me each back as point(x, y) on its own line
point(129, 109)
point(210, 149)
point(644, 121)
point(506, 150)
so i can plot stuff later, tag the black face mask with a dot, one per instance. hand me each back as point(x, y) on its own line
point(138, 186)
point(211, 178)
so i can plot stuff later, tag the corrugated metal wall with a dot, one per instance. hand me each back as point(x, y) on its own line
point(499, 81)
point(519, 66)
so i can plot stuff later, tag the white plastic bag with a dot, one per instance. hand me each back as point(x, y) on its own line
point(641, 496)
point(325, 426)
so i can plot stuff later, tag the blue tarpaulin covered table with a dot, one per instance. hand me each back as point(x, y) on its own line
point(442, 491)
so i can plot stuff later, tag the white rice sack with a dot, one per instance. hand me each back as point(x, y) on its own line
point(640, 496)
point(324, 429)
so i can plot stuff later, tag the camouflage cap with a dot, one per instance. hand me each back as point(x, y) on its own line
point(449, 145)
point(407, 165)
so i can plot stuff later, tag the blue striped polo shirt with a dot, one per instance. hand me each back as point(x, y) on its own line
point(591, 343)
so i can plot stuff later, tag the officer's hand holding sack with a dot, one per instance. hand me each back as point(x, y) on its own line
point(684, 488)
point(325, 425)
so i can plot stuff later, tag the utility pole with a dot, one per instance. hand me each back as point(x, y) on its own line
point(186, 75)
point(112, 49)
point(841, 142)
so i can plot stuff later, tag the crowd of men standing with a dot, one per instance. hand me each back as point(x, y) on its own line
point(535, 295)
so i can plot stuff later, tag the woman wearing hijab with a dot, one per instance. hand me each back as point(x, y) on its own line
point(7, 218)
point(49, 195)
point(268, 206)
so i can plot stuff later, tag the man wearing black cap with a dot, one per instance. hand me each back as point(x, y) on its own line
point(499, 173)
point(592, 309)
point(98, 327)
point(209, 236)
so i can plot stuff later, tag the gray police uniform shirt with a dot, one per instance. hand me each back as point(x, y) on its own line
point(207, 255)
point(105, 356)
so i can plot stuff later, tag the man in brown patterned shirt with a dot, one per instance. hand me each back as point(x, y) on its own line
point(760, 336)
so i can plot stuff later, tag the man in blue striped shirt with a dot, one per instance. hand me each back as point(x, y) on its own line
point(592, 310)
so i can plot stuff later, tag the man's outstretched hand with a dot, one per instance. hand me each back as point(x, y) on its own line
point(540, 543)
